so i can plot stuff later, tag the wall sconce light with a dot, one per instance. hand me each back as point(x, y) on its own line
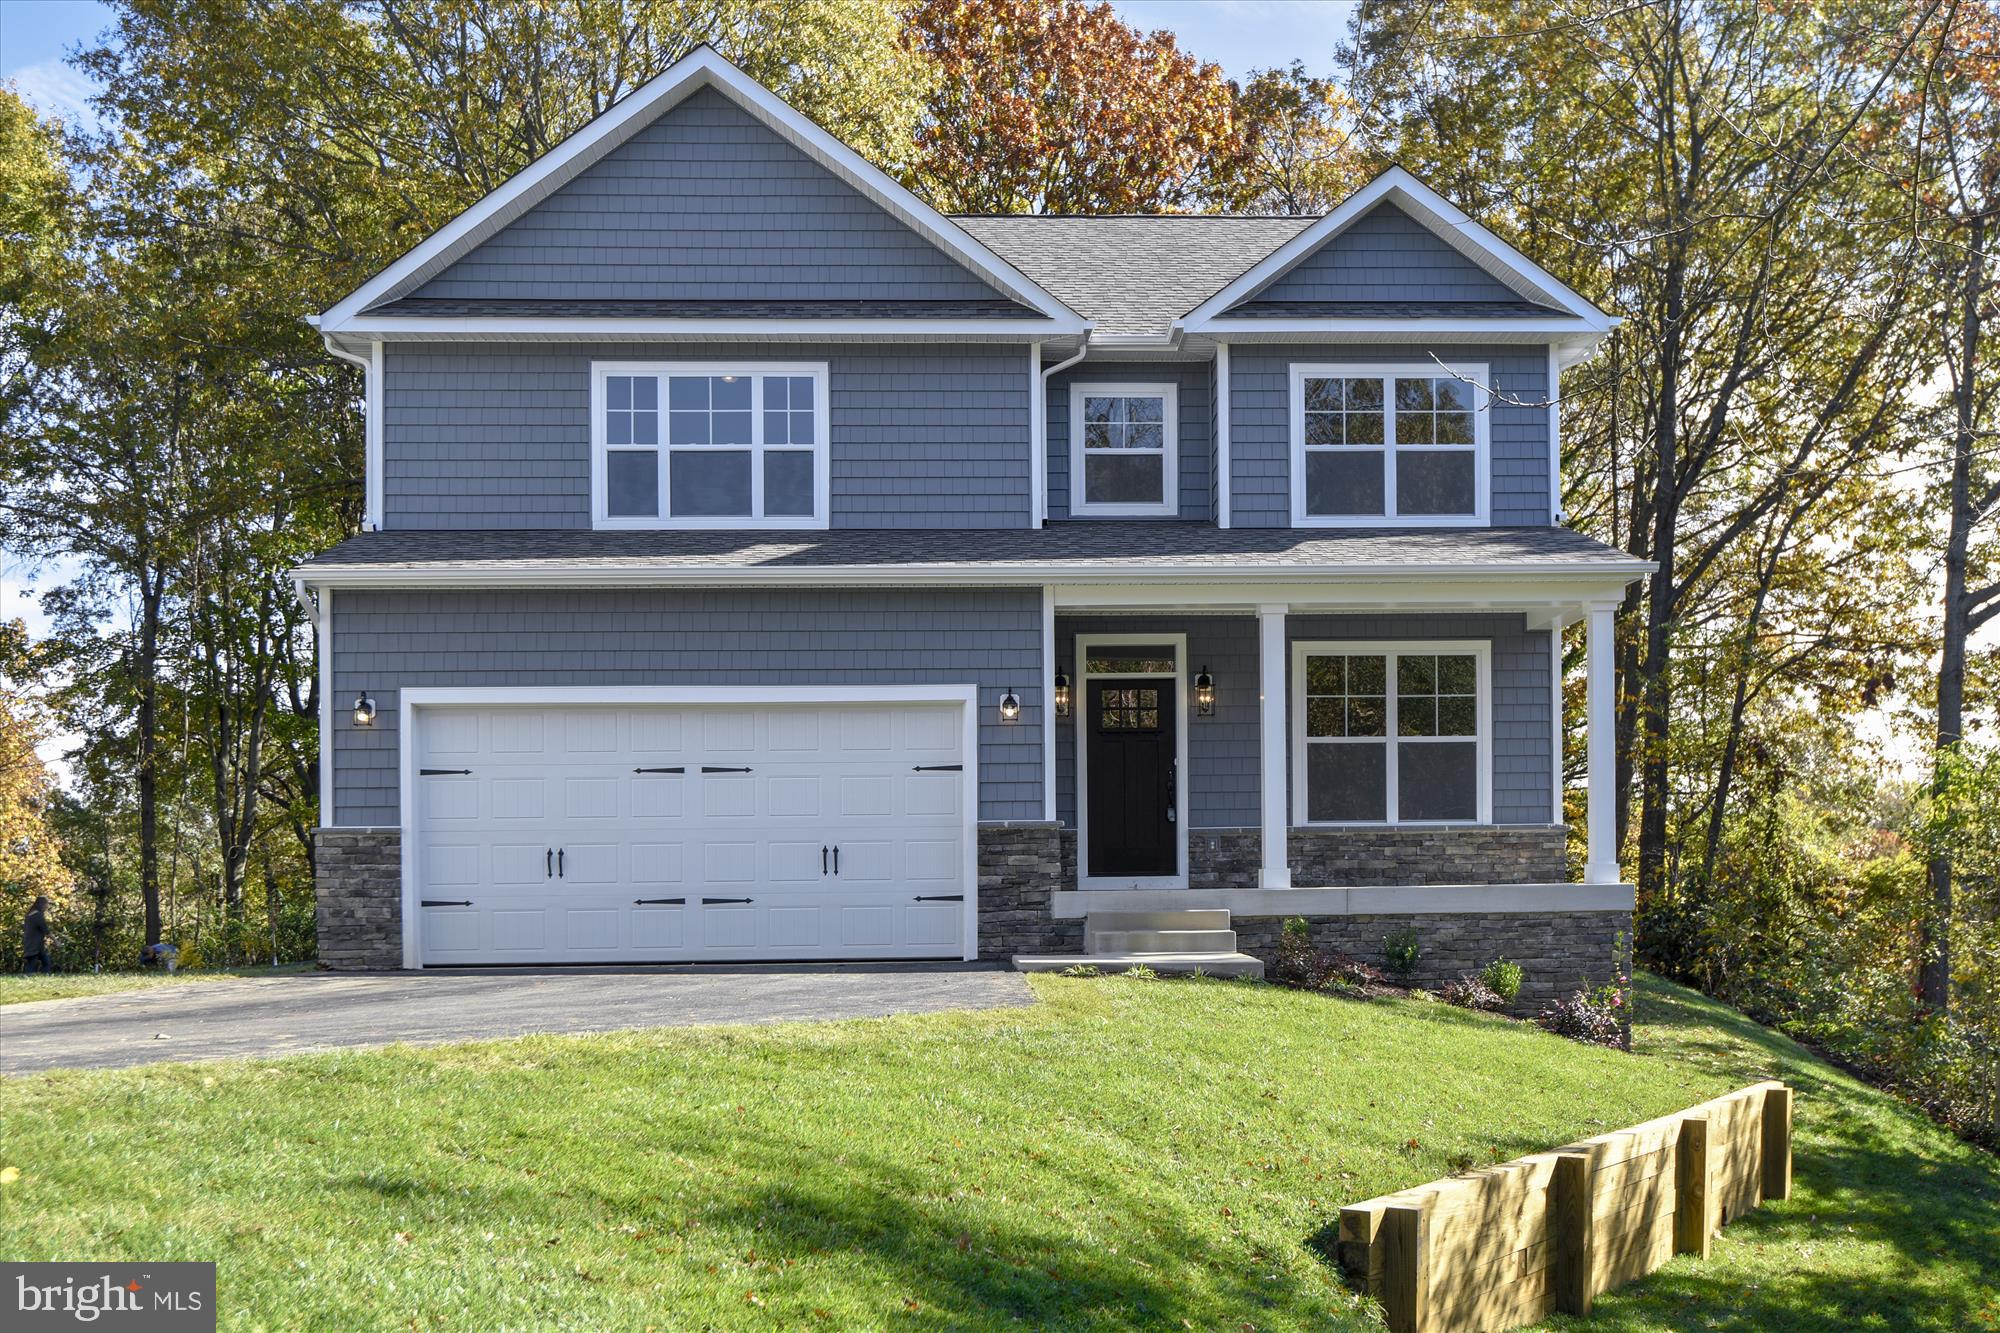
point(1204, 694)
point(1062, 694)
point(1010, 706)
point(364, 711)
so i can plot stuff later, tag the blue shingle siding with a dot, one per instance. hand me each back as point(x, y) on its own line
point(1260, 437)
point(1523, 729)
point(706, 203)
point(1222, 749)
point(1385, 255)
point(385, 641)
point(491, 435)
point(1194, 381)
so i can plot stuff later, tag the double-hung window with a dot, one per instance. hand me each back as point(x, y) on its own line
point(1390, 733)
point(1123, 450)
point(709, 446)
point(1389, 446)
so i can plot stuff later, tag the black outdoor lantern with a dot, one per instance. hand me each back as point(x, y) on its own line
point(1204, 694)
point(1062, 694)
point(364, 711)
point(1010, 706)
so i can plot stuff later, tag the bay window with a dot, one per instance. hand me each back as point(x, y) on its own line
point(709, 446)
point(1389, 446)
point(1390, 733)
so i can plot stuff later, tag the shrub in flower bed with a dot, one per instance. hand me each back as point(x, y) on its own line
point(1596, 1017)
point(1503, 978)
point(1303, 965)
point(1471, 992)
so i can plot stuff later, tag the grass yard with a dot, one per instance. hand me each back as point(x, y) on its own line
point(17, 989)
point(1125, 1154)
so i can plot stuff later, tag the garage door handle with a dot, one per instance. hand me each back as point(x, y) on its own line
point(711, 768)
point(549, 870)
point(559, 861)
point(446, 902)
point(439, 772)
point(836, 860)
point(659, 902)
point(822, 860)
point(940, 897)
point(676, 769)
point(938, 768)
point(706, 901)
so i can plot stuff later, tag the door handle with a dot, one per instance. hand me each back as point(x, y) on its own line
point(716, 768)
point(675, 769)
point(822, 860)
point(549, 870)
point(559, 861)
point(661, 902)
point(445, 902)
point(1173, 788)
point(836, 860)
point(706, 901)
point(940, 898)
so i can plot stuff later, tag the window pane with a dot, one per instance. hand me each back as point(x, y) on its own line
point(1145, 435)
point(1364, 428)
point(1437, 780)
point(1110, 479)
point(1097, 409)
point(1414, 395)
point(687, 427)
point(777, 428)
point(1367, 675)
point(802, 425)
point(1097, 435)
point(710, 484)
point(1137, 662)
point(646, 426)
point(1323, 395)
point(646, 393)
point(1434, 483)
point(730, 392)
point(687, 392)
point(1323, 428)
point(1453, 394)
point(1454, 428)
point(1344, 482)
point(1145, 409)
point(1413, 428)
point(618, 392)
point(1325, 675)
point(1367, 715)
point(788, 483)
point(1416, 717)
point(1364, 395)
point(632, 483)
point(1458, 717)
point(1458, 675)
point(618, 428)
point(1347, 781)
point(1416, 674)
point(731, 428)
point(1324, 717)
point(777, 392)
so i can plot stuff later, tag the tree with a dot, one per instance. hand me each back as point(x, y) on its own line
point(1057, 106)
point(1296, 150)
point(31, 853)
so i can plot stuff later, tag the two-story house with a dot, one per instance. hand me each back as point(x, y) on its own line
point(762, 565)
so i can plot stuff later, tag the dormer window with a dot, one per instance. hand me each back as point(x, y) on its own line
point(1123, 451)
point(1389, 446)
point(686, 445)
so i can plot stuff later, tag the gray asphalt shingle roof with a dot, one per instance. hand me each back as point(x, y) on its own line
point(1133, 274)
point(1113, 546)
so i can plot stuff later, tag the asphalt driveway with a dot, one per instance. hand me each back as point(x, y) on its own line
point(213, 1020)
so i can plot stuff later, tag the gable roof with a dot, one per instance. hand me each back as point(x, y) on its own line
point(702, 68)
point(1566, 310)
point(1133, 274)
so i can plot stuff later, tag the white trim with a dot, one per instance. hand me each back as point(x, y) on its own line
point(1600, 732)
point(701, 68)
point(323, 642)
point(599, 328)
point(1481, 448)
point(1168, 393)
point(493, 696)
point(1555, 440)
point(1356, 900)
point(757, 371)
point(1273, 736)
point(1038, 443)
point(1527, 328)
point(1480, 649)
point(1557, 815)
point(371, 427)
point(1223, 452)
point(1081, 712)
point(1430, 210)
point(1049, 705)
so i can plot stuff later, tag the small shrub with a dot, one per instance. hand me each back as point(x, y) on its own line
point(1400, 950)
point(1082, 970)
point(1301, 965)
point(1140, 972)
point(1503, 978)
point(1470, 992)
point(1588, 1016)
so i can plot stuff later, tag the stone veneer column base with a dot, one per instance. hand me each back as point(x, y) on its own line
point(1020, 865)
point(1559, 952)
point(359, 888)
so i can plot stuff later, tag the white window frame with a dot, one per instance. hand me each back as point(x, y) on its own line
point(1480, 650)
point(1482, 469)
point(1170, 501)
point(601, 371)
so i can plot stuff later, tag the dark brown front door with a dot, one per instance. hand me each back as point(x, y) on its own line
point(1130, 729)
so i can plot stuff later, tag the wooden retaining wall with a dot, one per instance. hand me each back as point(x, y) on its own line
point(1509, 1244)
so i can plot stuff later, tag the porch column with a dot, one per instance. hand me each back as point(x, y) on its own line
point(1601, 864)
point(1276, 871)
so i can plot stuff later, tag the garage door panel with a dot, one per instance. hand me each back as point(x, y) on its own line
point(820, 777)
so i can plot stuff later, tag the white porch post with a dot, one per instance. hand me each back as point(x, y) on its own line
point(1275, 872)
point(1602, 861)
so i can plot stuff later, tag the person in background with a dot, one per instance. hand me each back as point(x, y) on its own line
point(35, 937)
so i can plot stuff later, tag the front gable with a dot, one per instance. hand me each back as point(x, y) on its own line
point(708, 204)
point(1383, 256)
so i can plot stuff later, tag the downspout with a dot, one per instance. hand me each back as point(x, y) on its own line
point(371, 428)
point(1041, 430)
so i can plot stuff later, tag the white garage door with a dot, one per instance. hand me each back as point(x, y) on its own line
point(690, 833)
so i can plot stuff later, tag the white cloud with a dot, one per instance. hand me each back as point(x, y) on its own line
point(56, 89)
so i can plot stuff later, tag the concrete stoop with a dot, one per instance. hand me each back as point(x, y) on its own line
point(1171, 942)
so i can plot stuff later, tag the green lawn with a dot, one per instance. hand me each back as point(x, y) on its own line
point(17, 989)
point(1127, 1153)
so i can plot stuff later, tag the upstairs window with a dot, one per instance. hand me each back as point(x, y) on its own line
point(1390, 733)
point(1123, 451)
point(709, 446)
point(1389, 446)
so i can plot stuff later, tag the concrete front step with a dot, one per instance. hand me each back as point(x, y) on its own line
point(1177, 964)
point(1200, 918)
point(1156, 941)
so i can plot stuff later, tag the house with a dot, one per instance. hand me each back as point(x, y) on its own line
point(761, 565)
